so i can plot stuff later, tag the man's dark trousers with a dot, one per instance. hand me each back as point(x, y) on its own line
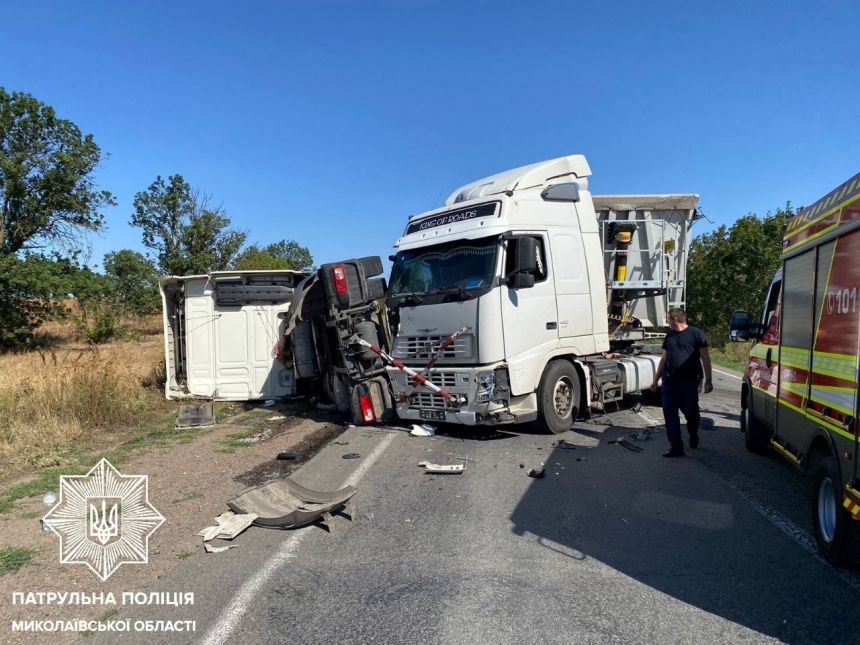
point(683, 395)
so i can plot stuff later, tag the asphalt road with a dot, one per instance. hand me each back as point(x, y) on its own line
point(611, 546)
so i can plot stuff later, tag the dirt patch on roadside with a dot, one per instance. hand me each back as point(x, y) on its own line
point(279, 468)
point(189, 484)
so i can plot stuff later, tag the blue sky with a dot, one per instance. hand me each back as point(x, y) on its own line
point(329, 122)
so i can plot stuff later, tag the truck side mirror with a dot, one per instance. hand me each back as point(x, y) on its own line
point(739, 327)
point(523, 281)
point(526, 254)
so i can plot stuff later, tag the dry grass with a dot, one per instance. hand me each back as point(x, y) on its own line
point(57, 401)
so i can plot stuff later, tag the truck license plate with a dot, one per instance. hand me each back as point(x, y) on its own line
point(433, 415)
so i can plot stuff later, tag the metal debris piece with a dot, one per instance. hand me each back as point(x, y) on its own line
point(229, 525)
point(195, 415)
point(440, 469)
point(287, 505)
point(623, 442)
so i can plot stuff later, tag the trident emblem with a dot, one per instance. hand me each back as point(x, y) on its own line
point(107, 526)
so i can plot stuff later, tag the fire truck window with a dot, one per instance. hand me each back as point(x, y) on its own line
point(771, 303)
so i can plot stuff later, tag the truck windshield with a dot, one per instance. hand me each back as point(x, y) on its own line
point(464, 264)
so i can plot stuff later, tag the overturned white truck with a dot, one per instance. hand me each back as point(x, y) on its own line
point(521, 299)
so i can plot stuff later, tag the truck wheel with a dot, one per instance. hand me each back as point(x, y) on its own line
point(831, 521)
point(558, 397)
point(756, 437)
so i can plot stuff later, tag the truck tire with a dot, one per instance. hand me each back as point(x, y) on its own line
point(831, 521)
point(756, 437)
point(559, 397)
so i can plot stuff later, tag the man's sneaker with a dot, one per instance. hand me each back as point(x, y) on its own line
point(674, 452)
point(694, 439)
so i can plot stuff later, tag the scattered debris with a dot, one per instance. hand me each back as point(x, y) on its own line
point(229, 525)
point(288, 454)
point(566, 445)
point(278, 418)
point(537, 473)
point(261, 436)
point(642, 435)
point(369, 515)
point(424, 430)
point(287, 505)
point(651, 420)
point(521, 466)
point(351, 455)
point(623, 442)
point(439, 469)
point(218, 549)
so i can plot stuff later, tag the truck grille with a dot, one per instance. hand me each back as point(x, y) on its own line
point(443, 379)
point(422, 347)
point(426, 401)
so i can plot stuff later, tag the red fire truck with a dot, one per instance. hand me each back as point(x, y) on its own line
point(799, 391)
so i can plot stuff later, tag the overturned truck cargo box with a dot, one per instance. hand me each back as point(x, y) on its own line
point(220, 330)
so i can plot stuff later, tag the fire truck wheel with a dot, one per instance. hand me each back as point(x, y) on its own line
point(831, 521)
point(755, 435)
point(559, 397)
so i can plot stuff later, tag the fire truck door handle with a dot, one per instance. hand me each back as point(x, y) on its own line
point(767, 357)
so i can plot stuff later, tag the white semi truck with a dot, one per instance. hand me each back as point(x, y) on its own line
point(553, 285)
point(521, 299)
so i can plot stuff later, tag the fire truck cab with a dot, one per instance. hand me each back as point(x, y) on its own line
point(799, 392)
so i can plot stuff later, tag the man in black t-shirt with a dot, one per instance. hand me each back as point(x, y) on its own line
point(684, 362)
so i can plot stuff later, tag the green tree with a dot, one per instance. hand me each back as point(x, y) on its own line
point(49, 202)
point(133, 282)
point(732, 267)
point(285, 254)
point(186, 232)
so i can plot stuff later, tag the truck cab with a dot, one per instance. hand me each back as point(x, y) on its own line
point(548, 283)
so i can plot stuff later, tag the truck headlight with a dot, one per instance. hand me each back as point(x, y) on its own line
point(486, 387)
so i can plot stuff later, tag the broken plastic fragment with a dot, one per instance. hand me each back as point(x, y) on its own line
point(424, 430)
point(369, 515)
point(218, 549)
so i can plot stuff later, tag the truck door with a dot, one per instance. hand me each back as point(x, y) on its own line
point(529, 320)
point(765, 359)
point(571, 286)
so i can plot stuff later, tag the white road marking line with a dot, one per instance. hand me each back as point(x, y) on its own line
point(241, 603)
point(801, 537)
point(740, 378)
